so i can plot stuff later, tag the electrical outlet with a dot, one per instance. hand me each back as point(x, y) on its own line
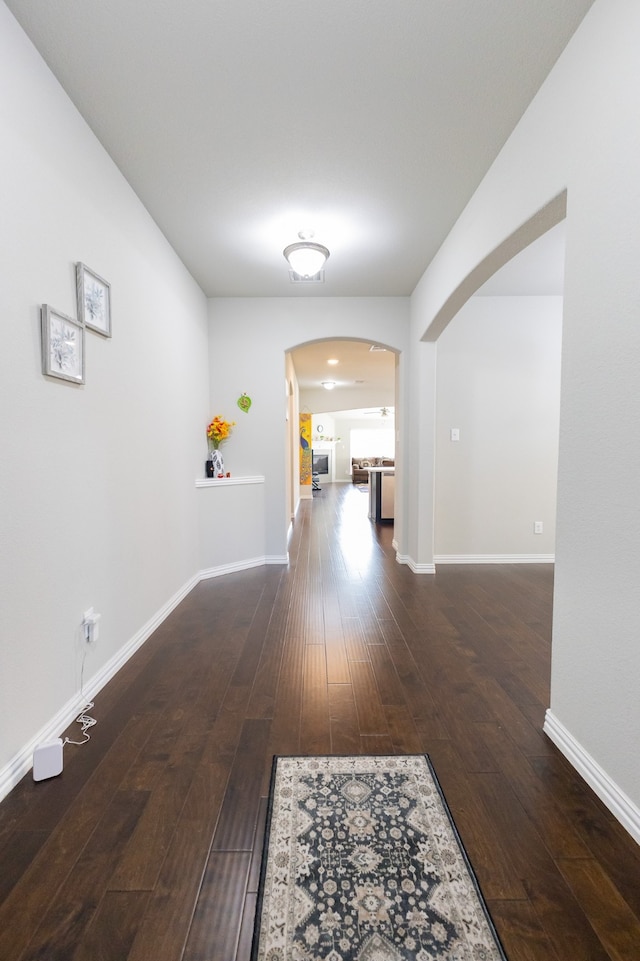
point(538, 527)
point(90, 625)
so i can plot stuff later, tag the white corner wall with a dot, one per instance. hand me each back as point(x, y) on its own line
point(498, 383)
point(581, 133)
point(98, 504)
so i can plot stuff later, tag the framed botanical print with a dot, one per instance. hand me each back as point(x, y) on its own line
point(62, 346)
point(94, 300)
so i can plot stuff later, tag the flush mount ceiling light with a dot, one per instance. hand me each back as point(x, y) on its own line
point(328, 384)
point(306, 259)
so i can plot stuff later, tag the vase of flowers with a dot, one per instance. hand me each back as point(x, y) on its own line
point(217, 432)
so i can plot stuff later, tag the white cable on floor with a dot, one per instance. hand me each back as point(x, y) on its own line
point(83, 719)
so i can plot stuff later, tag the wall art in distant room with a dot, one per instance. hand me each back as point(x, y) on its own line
point(305, 449)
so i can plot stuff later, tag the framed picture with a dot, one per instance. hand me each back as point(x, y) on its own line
point(62, 346)
point(94, 300)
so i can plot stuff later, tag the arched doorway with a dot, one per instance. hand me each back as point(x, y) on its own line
point(497, 414)
point(345, 380)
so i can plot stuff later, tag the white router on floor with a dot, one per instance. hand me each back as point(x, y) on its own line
point(47, 760)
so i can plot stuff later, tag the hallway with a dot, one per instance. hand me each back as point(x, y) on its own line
point(147, 847)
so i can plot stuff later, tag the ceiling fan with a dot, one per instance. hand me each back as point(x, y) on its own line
point(379, 412)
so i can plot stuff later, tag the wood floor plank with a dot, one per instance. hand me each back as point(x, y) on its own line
point(609, 914)
point(378, 744)
point(496, 871)
point(247, 926)
point(371, 716)
point(345, 733)
point(265, 683)
point(521, 933)
point(164, 928)
point(315, 733)
point(223, 738)
point(285, 725)
point(354, 638)
point(553, 826)
point(17, 853)
point(417, 693)
point(387, 681)
point(403, 732)
point(337, 662)
point(63, 926)
point(257, 848)
point(337, 658)
point(236, 826)
point(142, 859)
point(496, 858)
point(111, 933)
point(215, 930)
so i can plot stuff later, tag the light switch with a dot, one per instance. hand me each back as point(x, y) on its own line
point(455, 433)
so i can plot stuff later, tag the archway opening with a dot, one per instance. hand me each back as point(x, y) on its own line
point(363, 381)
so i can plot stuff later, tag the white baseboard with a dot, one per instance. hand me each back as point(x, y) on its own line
point(494, 558)
point(231, 568)
point(21, 763)
point(472, 559)
point(621, 806)
point(415, 567)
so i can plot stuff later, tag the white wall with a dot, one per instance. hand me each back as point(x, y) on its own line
point(98, 501)
point(581, 133)
point(292, 439)
point(230, 525)
point(342, 398)
point(256, 333)
point(498, 383)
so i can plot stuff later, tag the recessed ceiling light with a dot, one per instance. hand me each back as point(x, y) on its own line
point(333, 361)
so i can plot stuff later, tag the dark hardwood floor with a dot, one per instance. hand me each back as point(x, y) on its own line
point(147, 847)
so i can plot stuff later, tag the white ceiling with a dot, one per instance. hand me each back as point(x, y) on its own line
point(240, 122)
point(358, 366)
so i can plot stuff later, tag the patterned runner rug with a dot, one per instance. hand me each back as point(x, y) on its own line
point(362, 862)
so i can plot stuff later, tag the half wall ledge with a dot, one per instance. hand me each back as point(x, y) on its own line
point(229, 481)
point(231, 523)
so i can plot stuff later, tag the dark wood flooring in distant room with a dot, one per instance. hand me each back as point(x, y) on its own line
point(147, 848)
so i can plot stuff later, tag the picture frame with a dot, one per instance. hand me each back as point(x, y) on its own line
point(94, 300)
point(62, 346)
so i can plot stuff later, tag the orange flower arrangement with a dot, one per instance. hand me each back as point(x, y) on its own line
point(219, 430)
